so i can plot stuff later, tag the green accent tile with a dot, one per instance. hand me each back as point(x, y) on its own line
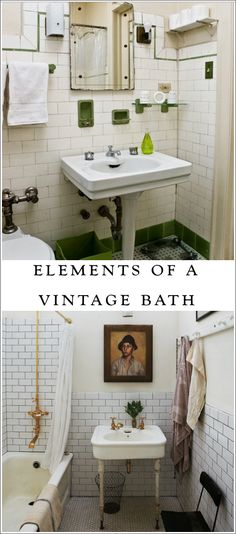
point(203, 247)
point(155, 232)
point(117, 245)
point(141, 236)
point(179, 229)
point(107, 242)
point(168, 228)
point(189, 237)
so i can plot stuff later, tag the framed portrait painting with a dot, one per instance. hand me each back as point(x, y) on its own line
point(128, 353)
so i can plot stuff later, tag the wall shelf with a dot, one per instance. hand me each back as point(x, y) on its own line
point(139, 106)
point(208, 23)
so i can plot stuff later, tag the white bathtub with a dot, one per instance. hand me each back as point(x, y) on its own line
point(22, 483)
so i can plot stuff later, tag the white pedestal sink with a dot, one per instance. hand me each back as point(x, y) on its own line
point(128, 444)
point(127, 177)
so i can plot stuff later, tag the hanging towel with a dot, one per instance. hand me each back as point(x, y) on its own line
point(3, 80)
point(28, 85)
point(62, 405)
point(182, 433)
point(46, 512)
point(197, 389)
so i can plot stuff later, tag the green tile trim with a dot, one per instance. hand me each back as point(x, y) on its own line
point(141, 236)
point(155, 232)
point(203, 247)
point(197, 57)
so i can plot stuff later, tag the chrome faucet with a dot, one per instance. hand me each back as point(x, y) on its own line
point(111, 153)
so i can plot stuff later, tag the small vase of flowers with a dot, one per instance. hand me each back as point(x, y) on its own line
point(133, 409)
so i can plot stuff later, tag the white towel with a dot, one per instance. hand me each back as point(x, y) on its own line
point(3, 80)
point(28, 85)
point(3, 85)
point(197, 389)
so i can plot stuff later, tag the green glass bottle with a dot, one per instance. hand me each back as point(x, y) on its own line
point(147, 144)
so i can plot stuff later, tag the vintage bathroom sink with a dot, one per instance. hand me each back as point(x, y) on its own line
point(124, 175)
point(128, 443)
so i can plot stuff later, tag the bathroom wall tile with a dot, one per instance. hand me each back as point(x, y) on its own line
point(210, 454)
point(197, 117)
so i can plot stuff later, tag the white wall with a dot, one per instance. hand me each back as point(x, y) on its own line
point(219, 359)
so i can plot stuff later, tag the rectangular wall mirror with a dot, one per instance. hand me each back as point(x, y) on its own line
point(101, 45)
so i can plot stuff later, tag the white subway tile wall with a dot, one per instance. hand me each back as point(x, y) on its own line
point(213, 452)
point(32, 154)
point(196, 136)
point(4, 394)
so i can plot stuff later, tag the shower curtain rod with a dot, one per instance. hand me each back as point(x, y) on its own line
point(67, 319)
point(224, 324)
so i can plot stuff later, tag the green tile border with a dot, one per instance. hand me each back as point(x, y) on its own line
point(157, 231)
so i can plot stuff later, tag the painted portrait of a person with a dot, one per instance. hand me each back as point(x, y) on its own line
point(127, 364)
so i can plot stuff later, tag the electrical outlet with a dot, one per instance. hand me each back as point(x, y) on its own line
point(165, 87)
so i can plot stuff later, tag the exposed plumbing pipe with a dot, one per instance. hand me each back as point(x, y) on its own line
point(115, 223)
point(128, 464)
point(9, 198)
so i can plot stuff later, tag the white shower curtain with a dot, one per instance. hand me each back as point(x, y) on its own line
point(62, 406)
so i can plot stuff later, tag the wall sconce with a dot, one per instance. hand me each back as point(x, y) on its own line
point(144, 33)
point(55, 20)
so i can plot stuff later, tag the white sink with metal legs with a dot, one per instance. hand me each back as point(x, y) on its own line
point(128, 443)
point(126, 176)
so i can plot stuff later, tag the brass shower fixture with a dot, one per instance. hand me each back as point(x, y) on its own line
point(37, 412)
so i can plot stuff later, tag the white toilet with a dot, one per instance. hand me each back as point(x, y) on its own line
point(20, 246)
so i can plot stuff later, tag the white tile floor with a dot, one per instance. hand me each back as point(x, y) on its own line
point(137, 514)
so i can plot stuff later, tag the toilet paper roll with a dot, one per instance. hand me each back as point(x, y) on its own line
point(199, 12)
point(174, 21)
point(159, 97)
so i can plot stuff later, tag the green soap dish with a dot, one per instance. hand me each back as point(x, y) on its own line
point(85, 113)
point(120, 116)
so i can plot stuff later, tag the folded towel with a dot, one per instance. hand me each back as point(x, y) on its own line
point(46, 512)
point(28, 84)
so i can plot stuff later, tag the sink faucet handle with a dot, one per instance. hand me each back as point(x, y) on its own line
point(141, 424)
point(113, 425)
